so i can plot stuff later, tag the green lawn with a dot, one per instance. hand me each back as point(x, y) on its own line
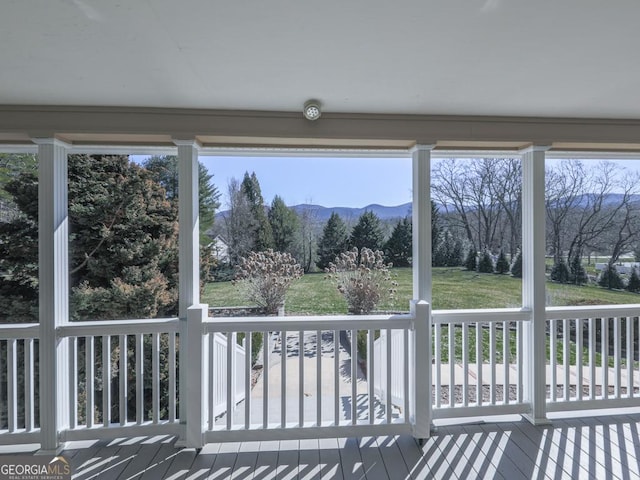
point(452, 289)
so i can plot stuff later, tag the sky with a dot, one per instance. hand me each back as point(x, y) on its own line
point(330, 182)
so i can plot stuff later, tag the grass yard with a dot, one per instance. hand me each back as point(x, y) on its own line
point(453, 288)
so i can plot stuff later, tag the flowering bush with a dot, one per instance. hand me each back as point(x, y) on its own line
point(362, 279)
point(266, 277)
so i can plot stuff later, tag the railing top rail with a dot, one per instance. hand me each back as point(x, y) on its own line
point(118, 327)
point(481, 315)
point(19, 330)
point(591, 311)
point(315, 322)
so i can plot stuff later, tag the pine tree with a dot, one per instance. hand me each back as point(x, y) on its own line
point(516, 266)
point(122, 245)
point(634, 281)
point(578, 273)
point(398, 249)
point(610, 278)
point(367, 233)
point(560, 272)
point(263, 236)
point(435, 230)
point(502, 265)
point(284, 225)
point(485, 264)
point(165, 172)
point(334, 241)
point(470, 263)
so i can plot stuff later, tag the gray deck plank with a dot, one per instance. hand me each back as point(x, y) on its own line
point(203, 463)
point(309, 460)
point(372, 462)
point(181, 464)
point(350, 459)
point(413, 457)
point(288, 460)
point(329, 459)
point(392, 458)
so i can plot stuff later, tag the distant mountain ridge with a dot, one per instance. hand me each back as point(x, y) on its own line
point(322, 214)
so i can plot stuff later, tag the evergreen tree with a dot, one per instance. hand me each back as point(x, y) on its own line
point(470, 263)
point(334, 241)
point(610, 278)
point(122, 243)
point(502, 265)
point(455, 257)
point(578, 273)
point(263, 236)
point(560, 272)
point(516, 266)
point(435, 230)
point(367, 233)
point(165, 171)
point(284, 225)
point(485, 264)
point(634, 281)
point(399, 248)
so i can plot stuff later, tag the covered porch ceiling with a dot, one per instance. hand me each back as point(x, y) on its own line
point(477, 75)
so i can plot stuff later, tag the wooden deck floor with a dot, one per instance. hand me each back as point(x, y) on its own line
point(588, 446)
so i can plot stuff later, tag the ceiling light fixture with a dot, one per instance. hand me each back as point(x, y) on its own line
point(311, 110)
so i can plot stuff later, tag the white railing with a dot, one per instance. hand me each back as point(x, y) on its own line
point(122, 375)
point(592, 357)
point(307, 369)
point(19, 408)
point(220, 346)
point(390, 388)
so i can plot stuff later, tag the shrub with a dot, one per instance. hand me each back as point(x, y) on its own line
point(634, 281)
point(578, 273)
point(516, 266)
point(485, 264)
point(266, 277)
point(502, 265)
point(610, 278)
point(560, 272)
point(362, 279)
point(470, 263)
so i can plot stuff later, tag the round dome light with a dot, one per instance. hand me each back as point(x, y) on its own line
point(311, 110)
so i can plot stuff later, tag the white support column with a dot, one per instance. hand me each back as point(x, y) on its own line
point(421, 353)
point(194, 361)
point(533, 282)
point(189, 283)
point(53, 278)
point(421, 211)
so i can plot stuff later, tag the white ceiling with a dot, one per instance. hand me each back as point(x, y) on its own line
point(555, 58)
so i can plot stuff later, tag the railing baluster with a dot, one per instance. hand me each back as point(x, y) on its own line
point(438, 365)
point(492, 360)
point(214, 379)
point(12, 384)
point(354, 376)
point(106, 380)
point(405, 369)
point(336, 376)
point(553, 359)
point(604, 344)
point(630, 342)
point(283, 386)
point(139, 379)
point(370, 366)
point(231, 375)
point(122, 380)
point(566, 346)
point(452, 365)
point(155, 377)
point(265, 379)
point(172, 377)
point(28, 384)
point(89, 373)
point(579, 360)
point(388, 372)
point(519, 353)
point(319, 378)
point(479, 362)
point(248, 348)
point(465, 365)
point(617, 352)
point(506, 361)
point(592, 359)
point(3, 371)
point(301, 378)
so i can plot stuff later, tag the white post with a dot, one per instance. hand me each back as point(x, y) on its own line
point(421, 354)
point(533, 282)
point(189, 268)
point(53, 278)
point(195, 377)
